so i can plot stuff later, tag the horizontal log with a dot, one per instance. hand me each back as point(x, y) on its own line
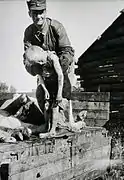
point(93, 88)
point(105, 80)
point(103, 70)
point(85, 105)
point(109, 43)
point(103, 87)
point(50, 172)
point(60, 156)
point(102, 61)
point(112, 29)
point(80, 153)
point(109, 33)
point(34, 147)
point(114, 107)
point(119, 87)
point(117, 101)
point(60, 152)
point(86, 71)
point(98, 75)
point(117, 94)
point(91, 96)
point(95, 122)
point(94, 114)
point(107, 53)
point(119, 31)
point(113, 87)
point(54, 166)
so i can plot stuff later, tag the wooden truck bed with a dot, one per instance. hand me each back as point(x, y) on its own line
point(70, 156)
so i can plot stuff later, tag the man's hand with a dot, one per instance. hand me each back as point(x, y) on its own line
point(59, 99)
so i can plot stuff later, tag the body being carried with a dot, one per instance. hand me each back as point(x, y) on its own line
point(46, 66)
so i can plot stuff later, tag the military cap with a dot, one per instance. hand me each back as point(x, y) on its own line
point(36, 4)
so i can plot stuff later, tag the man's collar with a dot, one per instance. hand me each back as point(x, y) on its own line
point(44, 29)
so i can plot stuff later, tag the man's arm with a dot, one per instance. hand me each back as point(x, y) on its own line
point(65, 51)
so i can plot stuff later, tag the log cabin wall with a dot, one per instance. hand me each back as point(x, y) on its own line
point(97, 105)
point(101, 68)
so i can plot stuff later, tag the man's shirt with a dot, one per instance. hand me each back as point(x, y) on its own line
point(52, 37)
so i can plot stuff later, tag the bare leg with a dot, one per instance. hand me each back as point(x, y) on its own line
point(72, 123)
point(76, 126)
point(55, 116)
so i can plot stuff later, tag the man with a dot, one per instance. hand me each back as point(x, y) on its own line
point(50, 35)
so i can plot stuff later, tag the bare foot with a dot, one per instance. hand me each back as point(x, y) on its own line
point(52, 132)
point(44, 135)
point(47, 135)
point(74, 129)
point(8, 140)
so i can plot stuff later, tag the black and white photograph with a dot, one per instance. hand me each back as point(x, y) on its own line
point(61, 90)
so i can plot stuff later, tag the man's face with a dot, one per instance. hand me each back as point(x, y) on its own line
point(38, 16)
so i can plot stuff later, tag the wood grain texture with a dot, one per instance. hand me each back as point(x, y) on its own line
point(64, 159)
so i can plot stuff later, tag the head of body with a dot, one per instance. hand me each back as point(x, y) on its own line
point(37, 11)
point(36, 55)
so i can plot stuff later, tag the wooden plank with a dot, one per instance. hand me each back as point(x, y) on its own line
point(91, 96)
point(110, 43)
point(51, 172)
point(100, 87)
point(98, 75)
point(33, 162)
point(119, 31)
point(48, 167)
point(117, 96)
point(94, 114)
point(117, 87)
point(104, 70)
point(109, 33)
point(95, 122)
point(96, 63)
point(85, 105)
point(21, 150)
point(79, 152)
point(35, 173)
point(107, 53)
point(106, 80)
